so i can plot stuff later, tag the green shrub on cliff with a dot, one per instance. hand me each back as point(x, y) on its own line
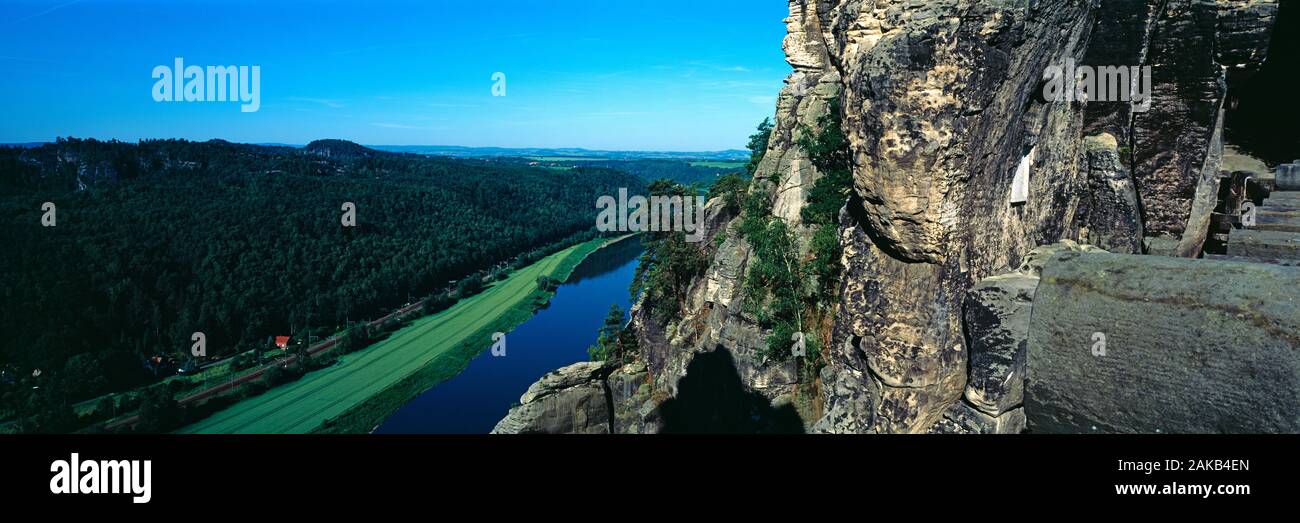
point(615, 342)
point(758, 145)
point(669, 263)
point(789, 293)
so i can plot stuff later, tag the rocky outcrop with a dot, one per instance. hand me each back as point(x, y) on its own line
point(1144, 344)
point(1114, 219)
point(1287, 177)
point(1245, 30)
point(571, 400)
point(962, 418)
point(586, 398)
point(1121, 38)
point(1082, 341)
point(1173, 148)
point(942, 101)
point(1178, 142)
point(943, 104)
point(636, 409)
point(714, 317)
point(996, 319)
point(997, 322)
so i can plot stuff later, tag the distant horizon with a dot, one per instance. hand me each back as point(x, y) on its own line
point(375, 145)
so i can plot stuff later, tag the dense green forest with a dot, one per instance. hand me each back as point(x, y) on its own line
point(157, 240)
point(680, 172)
point(683, 172)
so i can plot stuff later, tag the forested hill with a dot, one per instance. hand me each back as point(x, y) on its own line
point(701, 174)
point(157, 240)
point(341, 149)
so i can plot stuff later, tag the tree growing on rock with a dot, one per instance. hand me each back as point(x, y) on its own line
point(758, 145)
point(615, 342)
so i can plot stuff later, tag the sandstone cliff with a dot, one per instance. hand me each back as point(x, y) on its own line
point(941, 102)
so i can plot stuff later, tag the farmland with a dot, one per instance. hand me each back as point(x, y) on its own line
point(720, 165)
point(364, 387)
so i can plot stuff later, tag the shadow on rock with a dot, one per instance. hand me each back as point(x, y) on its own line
point(712, 400)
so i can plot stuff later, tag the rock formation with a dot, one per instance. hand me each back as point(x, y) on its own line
point(571, 400)
point(1114, 218)
point(941, 102)
point(713, 318)
point(585, 398)
point(1144, 344)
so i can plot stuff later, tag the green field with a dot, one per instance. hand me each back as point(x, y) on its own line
point(365, 387)
point(564, 159)
point(719, 165)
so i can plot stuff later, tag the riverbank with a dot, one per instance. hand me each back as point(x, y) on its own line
point(363, 388)
point(558, 335)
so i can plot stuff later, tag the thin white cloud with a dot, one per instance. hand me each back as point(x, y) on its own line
point(405, 127)
point(372, 48)
point(327, 102)
point(45, 12)
point(739, 84)
point(719, 67)
point(604, 114)
point(23, 59)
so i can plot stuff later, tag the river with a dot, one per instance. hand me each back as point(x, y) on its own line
point(473, 401)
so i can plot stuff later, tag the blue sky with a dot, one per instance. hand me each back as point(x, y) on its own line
point(683, 75)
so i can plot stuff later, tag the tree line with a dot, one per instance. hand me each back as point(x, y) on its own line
point(159, 239)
